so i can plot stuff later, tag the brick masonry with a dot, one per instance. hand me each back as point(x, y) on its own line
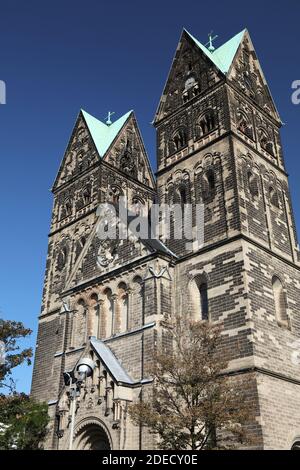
point(218, 144)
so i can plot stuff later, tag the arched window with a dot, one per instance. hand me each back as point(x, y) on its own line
point(137, 206)
point(265, 141)
point(199, 298)
point(178, 140)
point(123, 306)
point(244, 124)
point(191, 88)
point(210, 178)
point(182, 196)
point(124, 313)
point(206, 123)
point(108, 313)
point(252, 184)
point(270, 148)
point(62, 258)
point(87, 195)
point(68, 207)
point(280, 302)
point(274, 198)
point(208, 184)
point(203, 301)
point(94, 320)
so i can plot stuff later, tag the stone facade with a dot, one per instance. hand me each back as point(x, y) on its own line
point(218, 145)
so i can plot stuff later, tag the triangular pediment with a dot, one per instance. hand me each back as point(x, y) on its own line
point(110, 362)
point(127, 153)
point(118, 143)
point(100, 256)
point(246, 73)
point(80, 153)
point(104, 367)
point(193, 70)
point(107, 360)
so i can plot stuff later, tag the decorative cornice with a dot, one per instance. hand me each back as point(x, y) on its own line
point(263, 371)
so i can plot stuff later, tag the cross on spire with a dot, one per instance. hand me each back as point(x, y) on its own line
point(210, 45)
point(108, 118)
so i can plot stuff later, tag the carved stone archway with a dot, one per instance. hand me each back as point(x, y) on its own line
point(90, 435)
point(296, 445)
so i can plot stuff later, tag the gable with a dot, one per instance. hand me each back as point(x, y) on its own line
point(193, 71)
point(79, 155)
point(103, 134)
point(224, 55)
point(195, 68)
point(110, 362)
point(99, 257)
point(119, 143)
point(105, 365)
point(247, 75)
point(127, 153)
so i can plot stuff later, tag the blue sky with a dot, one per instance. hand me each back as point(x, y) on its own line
point(57, 57)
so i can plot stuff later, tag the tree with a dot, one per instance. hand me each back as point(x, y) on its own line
point(10, 332)
point(193, 404)
point(23, 421)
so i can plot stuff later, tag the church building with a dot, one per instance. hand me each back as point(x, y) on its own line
point(106, 302)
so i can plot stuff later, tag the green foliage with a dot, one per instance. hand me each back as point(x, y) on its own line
point(23, 422)
point(193, 404)
point(10, 332)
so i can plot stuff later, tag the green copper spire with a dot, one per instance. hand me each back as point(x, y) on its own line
point(103, 134)
point(224, 55)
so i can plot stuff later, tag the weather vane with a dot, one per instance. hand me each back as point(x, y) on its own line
point(210, 45)
point(108, 120)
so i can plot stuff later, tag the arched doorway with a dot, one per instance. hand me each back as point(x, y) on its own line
point(91, 436)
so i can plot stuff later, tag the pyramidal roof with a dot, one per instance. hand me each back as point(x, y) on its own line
point(224, 55)
point(104, 134)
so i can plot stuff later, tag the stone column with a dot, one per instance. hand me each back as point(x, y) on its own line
point(73, 328)
point(129, 308)
point(115, 322)
point(109, 399)
point(86, 316)
point(102, 385)
point(90, 314)
point(101, 320)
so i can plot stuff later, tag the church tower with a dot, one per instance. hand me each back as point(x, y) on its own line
point(100, 298)
point(106, 301)
point(218, 137)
